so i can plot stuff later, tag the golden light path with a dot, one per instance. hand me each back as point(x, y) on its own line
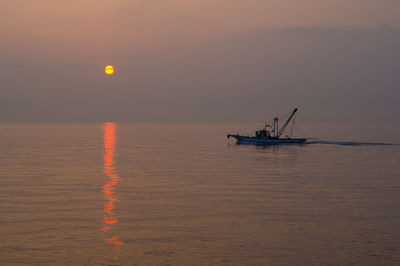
point(110, 220)
point(109, 70)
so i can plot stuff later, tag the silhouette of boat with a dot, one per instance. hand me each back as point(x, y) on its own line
point(269, 137)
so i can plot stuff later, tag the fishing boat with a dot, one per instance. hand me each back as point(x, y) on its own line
point(270, 137)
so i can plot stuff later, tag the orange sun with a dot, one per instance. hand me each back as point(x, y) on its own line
point(109, 70)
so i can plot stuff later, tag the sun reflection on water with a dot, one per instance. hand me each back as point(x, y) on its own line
point(110, 219)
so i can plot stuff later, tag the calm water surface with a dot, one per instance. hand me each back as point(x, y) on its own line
point(182, 194)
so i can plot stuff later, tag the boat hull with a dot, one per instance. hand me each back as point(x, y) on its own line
point(265, 141)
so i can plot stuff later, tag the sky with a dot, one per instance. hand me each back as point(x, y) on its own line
point(199, 61)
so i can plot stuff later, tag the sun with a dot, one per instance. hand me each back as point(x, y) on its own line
point(109, 70)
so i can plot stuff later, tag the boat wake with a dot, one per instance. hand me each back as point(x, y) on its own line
point(348, 143)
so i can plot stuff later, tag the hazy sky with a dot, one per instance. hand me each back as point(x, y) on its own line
point(182, 60)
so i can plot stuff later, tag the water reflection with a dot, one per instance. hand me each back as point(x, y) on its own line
point(110, 219)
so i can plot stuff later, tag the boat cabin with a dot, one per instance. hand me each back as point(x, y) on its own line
point(263, 133)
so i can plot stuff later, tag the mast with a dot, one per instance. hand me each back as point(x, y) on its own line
point(286, 123)
point(276, 127)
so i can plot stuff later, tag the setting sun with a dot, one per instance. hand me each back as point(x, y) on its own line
point(109, 70)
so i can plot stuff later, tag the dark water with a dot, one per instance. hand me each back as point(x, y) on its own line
point(181, 194)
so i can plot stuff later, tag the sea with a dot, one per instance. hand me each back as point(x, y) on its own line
point(183, 194)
